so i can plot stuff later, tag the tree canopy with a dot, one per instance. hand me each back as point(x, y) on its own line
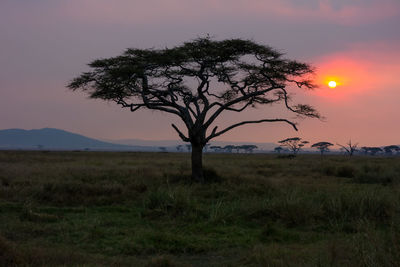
point(197, 81)
point(294, 144)
point(322, 146)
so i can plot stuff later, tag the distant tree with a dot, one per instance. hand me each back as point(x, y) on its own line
point(197, 82)
point(375, 150)
point(238, 148)
point(179, 148)
point(278, 149)
point(189, 147)
point(162, 149)
point(322, 146)
point(392, 149)
point(294, 144)
point(40, 147)
point(216, 148)
point(364, 150)
point(303, 143)
point(229, 148)
point(349, 148)
point(206, 146)
point(248, 148)
point(371, 150)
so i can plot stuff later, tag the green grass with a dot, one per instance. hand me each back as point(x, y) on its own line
point(141, 209)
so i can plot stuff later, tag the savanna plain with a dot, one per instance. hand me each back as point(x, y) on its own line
point(141, 209)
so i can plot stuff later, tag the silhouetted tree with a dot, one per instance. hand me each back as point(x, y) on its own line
point(206, 147)
point(197, 82)
point(371, 150)
point(294, 144)
point(248, 148)
point(278, 149)
point(389, 150)
point(216, 148)
point(349, 148)
point(229, 148)
point(189, 147)
point(238, 148)
point(363, 150)
point(322, 146)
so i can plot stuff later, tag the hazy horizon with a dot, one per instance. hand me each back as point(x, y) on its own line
point(47, 43)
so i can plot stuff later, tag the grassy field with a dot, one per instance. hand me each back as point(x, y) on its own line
point(140, 209)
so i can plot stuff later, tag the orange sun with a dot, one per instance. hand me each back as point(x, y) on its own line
point(332, 84)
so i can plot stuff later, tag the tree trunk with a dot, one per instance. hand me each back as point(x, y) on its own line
point(197, 163)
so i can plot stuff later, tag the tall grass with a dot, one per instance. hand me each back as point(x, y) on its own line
point(94, 208)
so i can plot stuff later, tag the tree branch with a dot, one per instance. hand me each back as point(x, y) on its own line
point(181, 135)
point(215, 134)
point(233, 102)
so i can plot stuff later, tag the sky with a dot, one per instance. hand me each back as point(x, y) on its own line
point(46, 43)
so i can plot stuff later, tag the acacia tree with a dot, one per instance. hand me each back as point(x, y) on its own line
point(216, 148)
point(229, 148)
point(294, 144)
point(371, 150)
point(198, 81)
point(248, 148)
point(389, 150)
point(322, 146)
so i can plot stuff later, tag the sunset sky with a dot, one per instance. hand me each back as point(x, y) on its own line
point(46, 43)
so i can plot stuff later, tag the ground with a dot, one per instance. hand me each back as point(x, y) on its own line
point(140, 209)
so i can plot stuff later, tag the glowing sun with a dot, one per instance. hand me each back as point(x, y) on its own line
point(332, 84)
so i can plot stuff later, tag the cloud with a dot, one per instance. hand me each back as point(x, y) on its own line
point(344, 12)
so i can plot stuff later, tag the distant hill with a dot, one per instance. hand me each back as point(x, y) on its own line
point(55, 139)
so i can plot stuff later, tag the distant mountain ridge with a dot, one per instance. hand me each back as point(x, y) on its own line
point(56, 139)
point(50, 138)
